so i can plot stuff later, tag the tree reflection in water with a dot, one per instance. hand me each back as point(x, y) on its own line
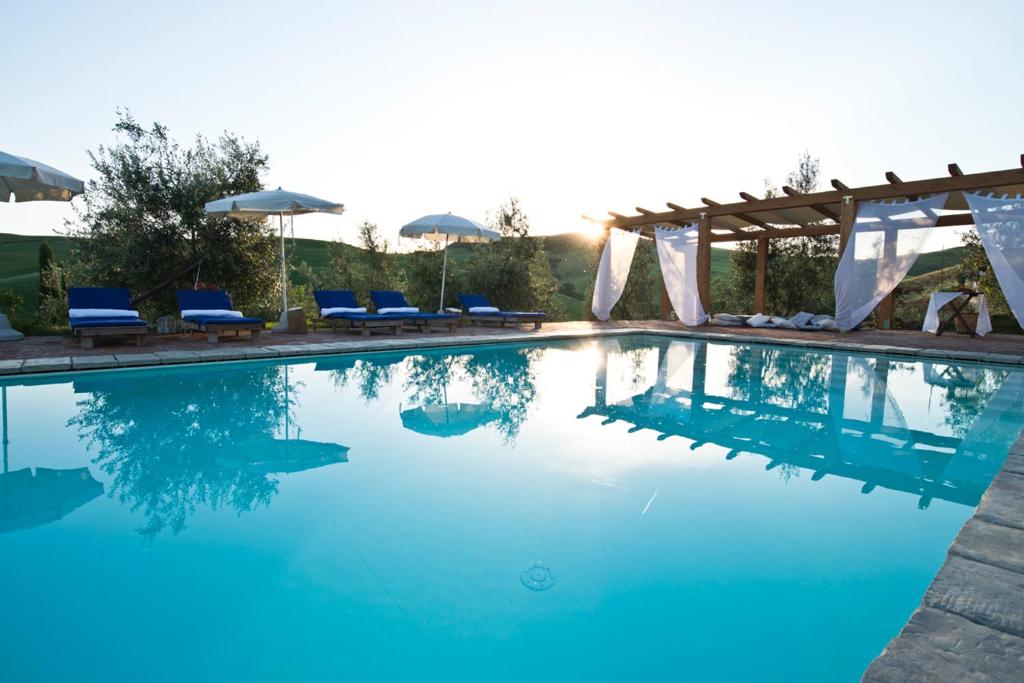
point(158, 437)
point(501, 380)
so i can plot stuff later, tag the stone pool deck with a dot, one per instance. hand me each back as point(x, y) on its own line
point(970, 625)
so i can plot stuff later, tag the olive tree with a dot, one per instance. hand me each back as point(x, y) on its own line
point(142, 220)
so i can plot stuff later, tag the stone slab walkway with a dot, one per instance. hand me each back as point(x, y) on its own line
point(970, 624)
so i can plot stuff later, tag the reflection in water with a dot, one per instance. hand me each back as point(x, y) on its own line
point(447, 419)
point(172, 442)
point(195, 437)
point(501, 380)
point(30, 499)
point(797, 410)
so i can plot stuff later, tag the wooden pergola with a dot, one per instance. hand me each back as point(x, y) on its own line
point(796, 214)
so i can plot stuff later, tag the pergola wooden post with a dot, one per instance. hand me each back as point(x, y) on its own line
point(830, 212)
point(760, 274)
point(704, 261)
point(665, 304)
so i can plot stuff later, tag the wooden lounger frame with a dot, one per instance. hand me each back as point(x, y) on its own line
point(431, 324)
point(479, 320)
point(364, 327)
point(86, 335)
point(212, 330)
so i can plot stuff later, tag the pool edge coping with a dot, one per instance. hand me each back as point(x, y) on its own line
point(115, 360)
point(970, 621)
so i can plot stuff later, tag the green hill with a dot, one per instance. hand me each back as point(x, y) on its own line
point(572, 258)
point(19, 263)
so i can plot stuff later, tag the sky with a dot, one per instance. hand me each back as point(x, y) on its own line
point(400, 109)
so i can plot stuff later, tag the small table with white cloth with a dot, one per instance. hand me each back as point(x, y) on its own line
point(935, 326)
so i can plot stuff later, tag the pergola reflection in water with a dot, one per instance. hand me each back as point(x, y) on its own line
point(831, 414)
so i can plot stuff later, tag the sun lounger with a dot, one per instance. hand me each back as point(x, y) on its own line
point(339, 308)
point(395, 303)
point(210, 312)
point(103, 312)
point(478, 310)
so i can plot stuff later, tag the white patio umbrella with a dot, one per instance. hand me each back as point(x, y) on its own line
point(278, 203)
point(448, 228)
point(30, 181)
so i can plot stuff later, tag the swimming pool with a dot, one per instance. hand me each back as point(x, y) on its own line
point(613, 509)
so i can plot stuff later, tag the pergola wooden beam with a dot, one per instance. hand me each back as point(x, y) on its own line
point(839, 185)
point(967, 181)
point(892, 177)
point(742, 216)
point(954, 170)
point(823, 210)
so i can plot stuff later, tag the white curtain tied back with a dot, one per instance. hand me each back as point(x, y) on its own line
point(677, 254)
point(1000, 224)
point(613, 271)
point(885, 242)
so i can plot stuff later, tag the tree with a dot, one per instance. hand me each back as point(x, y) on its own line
point(514, 272)
point(974, 267)
point(800, 269)
point(143, 220)
point(46, 264)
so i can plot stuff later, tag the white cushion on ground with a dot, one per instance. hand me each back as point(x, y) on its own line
point(802, 319)
point(722, 322)
point(483, 309)
point(211, 312)
point(759, 320)
point(101, 313)
point(783, 323)
point(342, 309)
point(816, 320)
point(399, 309)
point(728, 318)
point(827, 324)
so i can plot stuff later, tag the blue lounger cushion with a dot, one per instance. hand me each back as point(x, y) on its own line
point(469, 301)
point(222, 320)
point(100, 297)
point(364, 316)
point(335, 298)
point(108, 322)
point(389, 299)
point(210, 300)
point(103, 298)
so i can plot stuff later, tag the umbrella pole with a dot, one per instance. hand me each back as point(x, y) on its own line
point(282, 323)
point(444, 271)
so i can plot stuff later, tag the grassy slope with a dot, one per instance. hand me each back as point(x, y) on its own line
point(572, 259)
point(19, 263)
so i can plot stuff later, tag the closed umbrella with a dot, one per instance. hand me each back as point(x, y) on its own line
point(278, 203)
point(30, 181)
point(447, 228)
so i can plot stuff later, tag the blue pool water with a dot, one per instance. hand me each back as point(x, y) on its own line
point(616, 509)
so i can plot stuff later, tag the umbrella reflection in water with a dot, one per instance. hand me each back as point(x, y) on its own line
point(447, 420)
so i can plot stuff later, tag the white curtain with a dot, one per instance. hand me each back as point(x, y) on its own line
point(883, 246)
point(677, 253)
point(1000, 224)
point(616, 259)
